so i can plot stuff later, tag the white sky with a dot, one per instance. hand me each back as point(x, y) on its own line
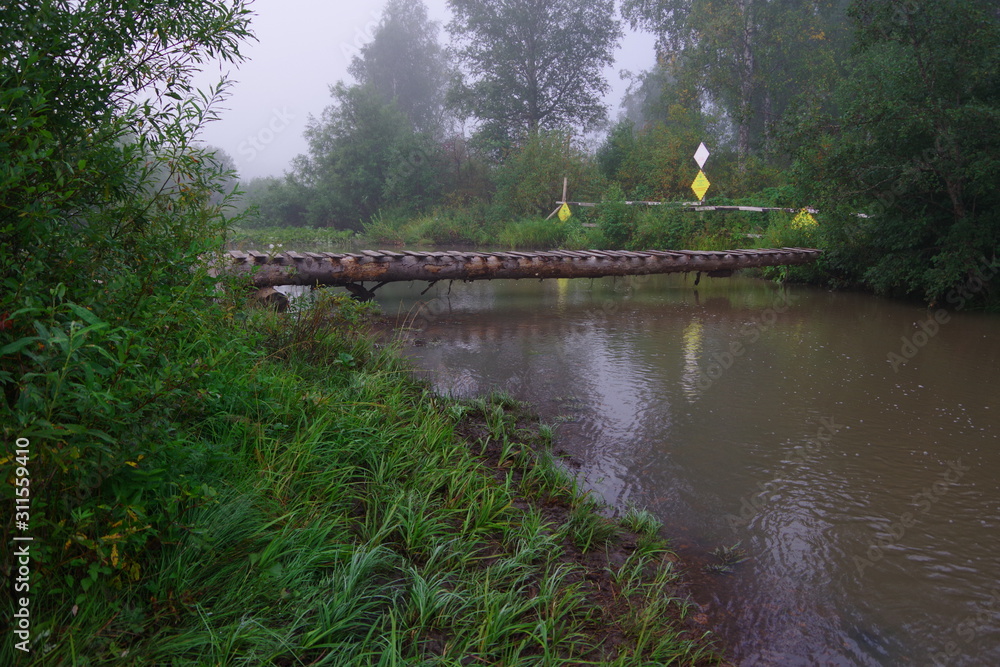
point(304, 47)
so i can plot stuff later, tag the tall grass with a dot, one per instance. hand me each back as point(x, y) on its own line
point(291, 238)
point(349, 517)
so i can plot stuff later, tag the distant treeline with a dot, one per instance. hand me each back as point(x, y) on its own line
point(887, 108)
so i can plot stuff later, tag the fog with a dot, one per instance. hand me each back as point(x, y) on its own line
point(305, 46)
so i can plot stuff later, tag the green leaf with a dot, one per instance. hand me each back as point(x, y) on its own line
point(84, 314)
point(17, 346)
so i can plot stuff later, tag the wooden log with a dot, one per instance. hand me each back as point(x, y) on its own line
point(315, 269)
point(269, 297)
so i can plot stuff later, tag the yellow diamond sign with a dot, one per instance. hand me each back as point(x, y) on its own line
point(804, 219)
point(564, 212)
point(700, 185)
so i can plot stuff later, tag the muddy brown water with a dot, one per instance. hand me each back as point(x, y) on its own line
point(865, 491)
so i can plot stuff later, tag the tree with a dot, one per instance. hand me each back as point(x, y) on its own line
point(105, 218)
point(914, 147)
point(530, 180)
point(378, 145)
point(272, 201)
point(229, 177)
point(752, 57)
point(98, 125)
point(533, 64)
point(405, 64)
point(364, 155)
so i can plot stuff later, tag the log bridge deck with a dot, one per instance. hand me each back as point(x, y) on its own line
point(351, 270)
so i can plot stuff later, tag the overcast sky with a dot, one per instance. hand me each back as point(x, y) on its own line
point(304, 47)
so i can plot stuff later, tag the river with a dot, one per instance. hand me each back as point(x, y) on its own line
point(863, 487)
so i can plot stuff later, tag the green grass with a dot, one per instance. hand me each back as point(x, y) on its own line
point(639, 228)
point(281, 239)
point(649, 228)
point(347, 516)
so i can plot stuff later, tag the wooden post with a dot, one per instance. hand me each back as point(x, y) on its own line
point(565, 184)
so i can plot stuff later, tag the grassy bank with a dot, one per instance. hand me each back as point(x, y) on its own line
point(302, 501)
point(610, 225)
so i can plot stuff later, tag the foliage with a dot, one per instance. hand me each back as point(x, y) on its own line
point(617, 147)
point(217, 484)
point(663, 228)
point(405, 64)
point(324, 494)
point(108, 208)
point(445, 226)
point(753, 59)
point(913, 147)
point(96, 138)
point(530, 180)
point(364, 155)
point(534, 234)
point(532, 65)
point(272, 202)
point(283, 239)
point(615, 218)
point(659, 166)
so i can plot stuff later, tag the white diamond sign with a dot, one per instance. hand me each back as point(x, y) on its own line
point(701, 155)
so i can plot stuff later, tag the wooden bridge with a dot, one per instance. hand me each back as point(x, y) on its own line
point(352, 270)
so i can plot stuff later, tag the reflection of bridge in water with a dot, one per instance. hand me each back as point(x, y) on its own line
point(352, 270)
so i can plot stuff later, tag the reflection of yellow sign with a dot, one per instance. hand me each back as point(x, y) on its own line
point(700, 185)
point(564, 212)
point(803, 220)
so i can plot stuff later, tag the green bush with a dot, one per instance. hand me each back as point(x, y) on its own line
point(534, 234)
point(615, 218)
point(107, 224)
point(662, 228)
point(529, 182)
point(442, 228)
